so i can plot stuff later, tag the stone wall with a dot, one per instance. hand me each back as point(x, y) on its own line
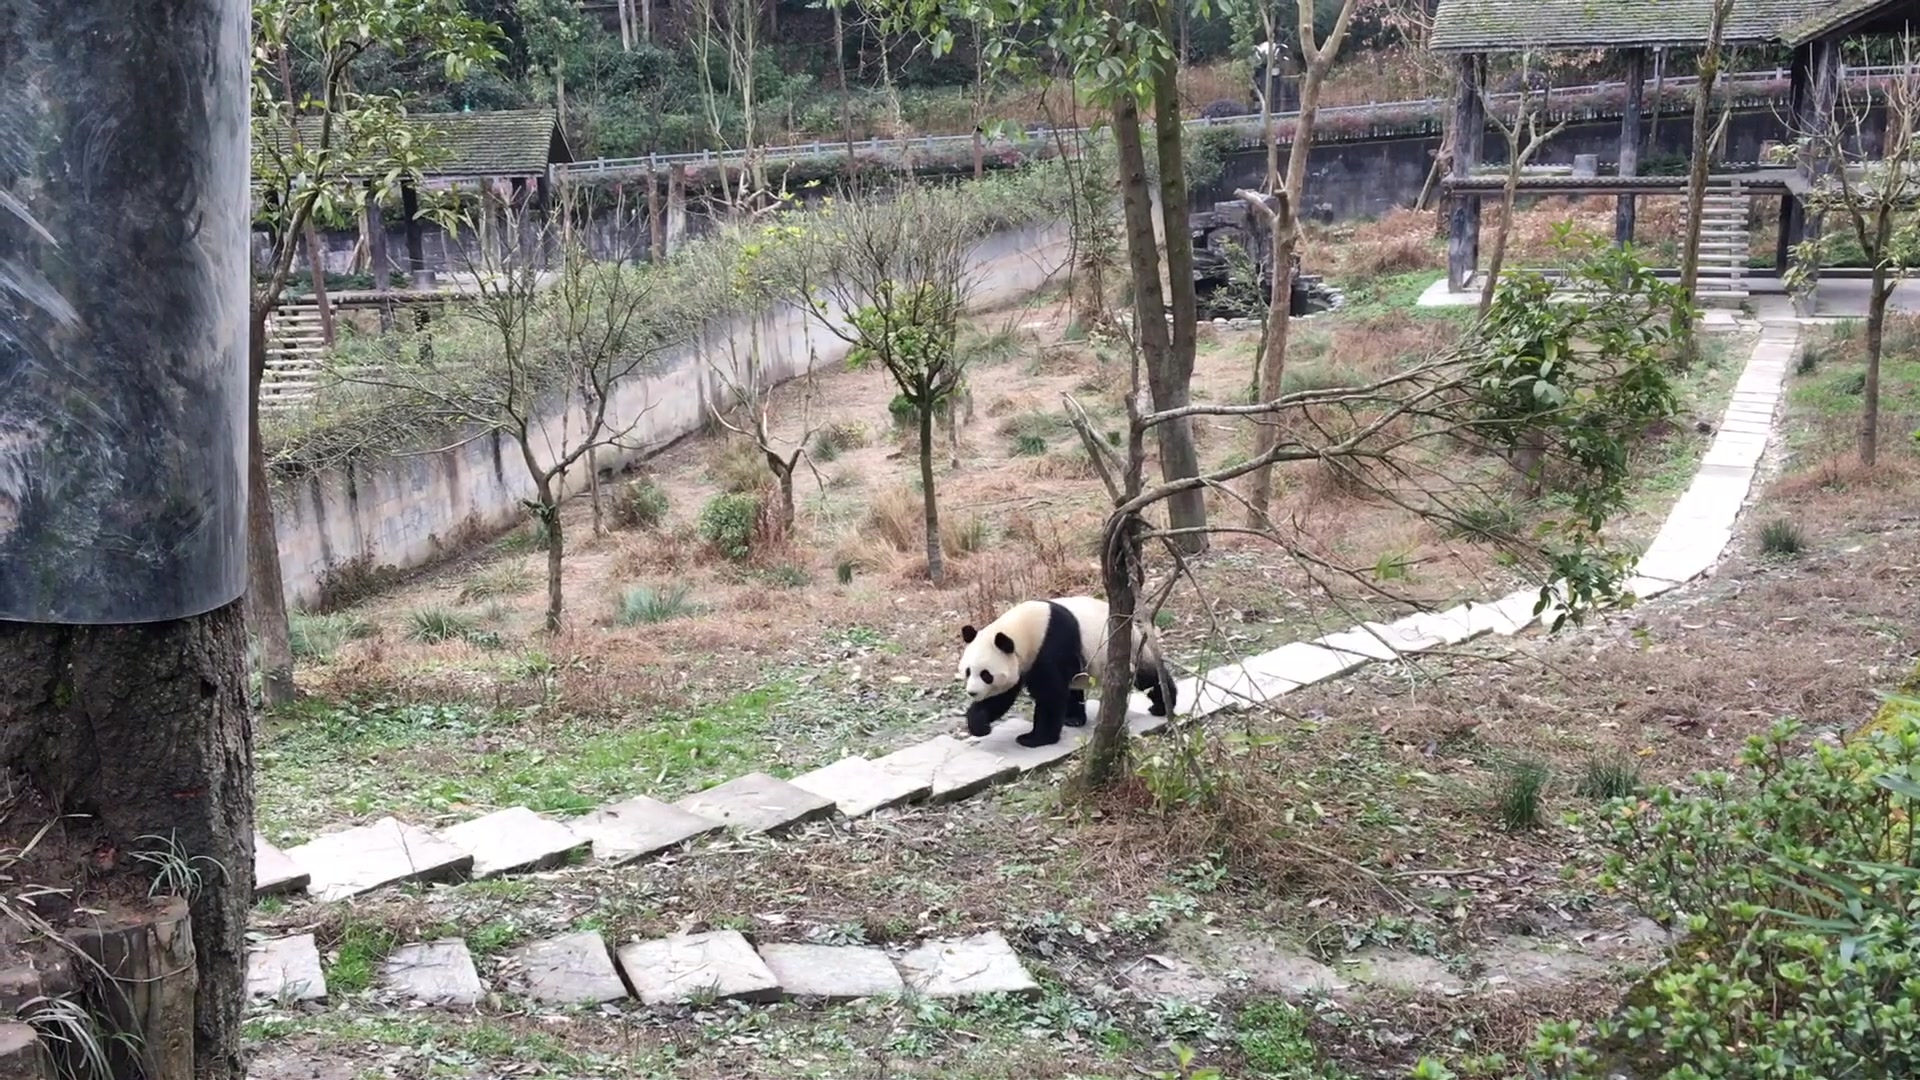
point(407, 512)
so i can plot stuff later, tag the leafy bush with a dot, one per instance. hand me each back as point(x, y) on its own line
point(639, 504)
point(727, 524)
point(1799, 886)
point(644, 604)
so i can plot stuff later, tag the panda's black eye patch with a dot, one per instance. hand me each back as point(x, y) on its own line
point(987, 677)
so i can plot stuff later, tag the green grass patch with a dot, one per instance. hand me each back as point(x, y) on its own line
point(318, 637)
point(357, 957)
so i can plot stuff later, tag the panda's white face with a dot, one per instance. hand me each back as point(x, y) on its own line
point(987, 665)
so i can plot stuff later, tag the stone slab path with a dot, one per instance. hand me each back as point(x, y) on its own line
point(576, 969)
point(942, 769)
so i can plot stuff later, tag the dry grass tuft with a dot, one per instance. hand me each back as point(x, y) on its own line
point(737, 466)
point(1842, 472)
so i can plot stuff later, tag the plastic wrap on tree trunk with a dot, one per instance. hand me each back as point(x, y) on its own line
point(123, 309)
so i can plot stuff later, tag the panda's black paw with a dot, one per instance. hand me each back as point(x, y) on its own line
point(1076, 719)
point(1033, 740)
point(1156, 710)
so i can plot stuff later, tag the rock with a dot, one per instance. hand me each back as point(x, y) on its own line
point(758, 803)
point(983, 964)
point(273, 872)
point(386, 852)
point(684, 967)
point(953, 769)
point(858, 787)
point(571, 970)
point(437, 973)
point(639, 827)
point(515, 840)
point(286, 969)
point(833, 972)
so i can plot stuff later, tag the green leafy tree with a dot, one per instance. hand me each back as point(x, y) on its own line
point(321, 149)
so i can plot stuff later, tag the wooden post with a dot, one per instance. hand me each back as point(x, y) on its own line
point(416, 243)
point(1659, 103)
point(1822, 67)
point(21, 1055)
point(1469, 134)
point(656, 225)
point(378, 259)
point(676, 205)
point(1630, 142)
point(141, 982)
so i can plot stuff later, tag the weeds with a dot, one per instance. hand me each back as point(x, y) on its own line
point(640, 504)
point(1782, 538)
point(357, 956)
point(502, 579)
point(175, 873)
point(1616, 777)
point(1029, 446)
point(1523, 788)
point(433, 626)
point(646, 605)
point(319, 637)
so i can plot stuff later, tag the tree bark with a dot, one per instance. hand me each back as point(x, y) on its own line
point(1170, 379)
point(1497, 258)
point(1700, 166)
point(556, 555)
point(936, 560)
point(656, 224)
point(266, 601)
point(1107, 749)
point(1876, 344)
point(840, 64)
point(144, 728)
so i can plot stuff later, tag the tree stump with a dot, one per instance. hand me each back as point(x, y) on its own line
point(143, 986)
point(21, 1055)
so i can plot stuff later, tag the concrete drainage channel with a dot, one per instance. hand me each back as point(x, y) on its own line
point(682, 968)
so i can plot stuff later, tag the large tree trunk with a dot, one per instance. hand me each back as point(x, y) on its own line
point(144, 727)
point(266, 592)
point(936, 561)
point(1171, 377)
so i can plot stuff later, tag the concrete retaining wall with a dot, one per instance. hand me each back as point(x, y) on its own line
point(407, 512)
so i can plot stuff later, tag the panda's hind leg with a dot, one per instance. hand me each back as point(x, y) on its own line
point(1161, 700)
point(1076, 715)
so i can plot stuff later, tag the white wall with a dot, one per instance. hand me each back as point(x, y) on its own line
point(407, 512)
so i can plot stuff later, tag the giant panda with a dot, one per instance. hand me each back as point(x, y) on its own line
point(1043, 645)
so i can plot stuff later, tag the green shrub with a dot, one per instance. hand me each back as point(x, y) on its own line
point(644, 604)
point(727, 524)
point(1615, 777)
point(843, 573)
point(739, 467)
point(639, 504)
point(905, 416)
point(434, 626)
point(1798, 884)
point(1029, 446)
point(319, 637)
point(786, 577)
point(1781, 537)
point(1272, 1036)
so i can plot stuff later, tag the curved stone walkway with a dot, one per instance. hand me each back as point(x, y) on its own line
point(344, 864)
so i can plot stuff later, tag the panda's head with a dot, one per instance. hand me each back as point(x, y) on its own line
point(988, 665)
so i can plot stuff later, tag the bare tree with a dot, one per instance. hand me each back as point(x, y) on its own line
point(891, 277)
point(1581, 378)
point(731, 28)
point(1874, 194)
point(1524, 139)
point(1712, 59)
point(1281, 214)
point(560, 346)
point(749, 388)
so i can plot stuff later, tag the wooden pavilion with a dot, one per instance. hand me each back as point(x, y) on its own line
point(1472, 30)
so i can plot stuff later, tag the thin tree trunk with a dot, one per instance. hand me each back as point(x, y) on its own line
point(646, 19)
point(626, 26)
point(556, 554)
point(1143, 252)
point(656, 223)
point(317, 264)
point(1107, 749)
point(936, 561)
point(1700, 166)
point(840, 64)
point(266, 604)
point(1171, 377)
point(1498, 257)
point(593, 491)
point(1876, 343)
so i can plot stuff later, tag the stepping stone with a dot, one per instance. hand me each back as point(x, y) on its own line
point(638, 828)
point(858, 787)
point(757, 803)
point(833, 972)
point(1452, 626)
point(1004, 744)
point(1303, 663)
point(360, 860)
point(286, 969)
point(953, 769)
point(681, 968)
point(273, 872)
point(1359, 644)
point(436, 972)
point(1646, 588)
point(1495, 618)
point(1232, 686)
point(984, 964)
point(570, 970)
point(1515, 609)
point(514, 841)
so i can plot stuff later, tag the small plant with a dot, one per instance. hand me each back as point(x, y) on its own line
point(1029, 446)
point(835, 439)
point(1272, 1035)
point(786, 576)
point(1812, 355)
point(504, 579)
point(433, 626)
point(727, 524)
point(175, 873)
point(739, 467)
point(645, 605)
point(357, 955)
point(1615, 777)
point(1782, 538)
point(905, 416)
point(963, 536)
point(843, 573)
point(640, 504)
point(64, 1023)
point(319, 637)
point(1523, 788)
point(1852, 384)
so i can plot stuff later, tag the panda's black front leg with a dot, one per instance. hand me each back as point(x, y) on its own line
point(982, 714)
point(1049, 711)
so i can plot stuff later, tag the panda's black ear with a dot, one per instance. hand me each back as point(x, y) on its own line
point(968, 633)
point(1003, 643)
